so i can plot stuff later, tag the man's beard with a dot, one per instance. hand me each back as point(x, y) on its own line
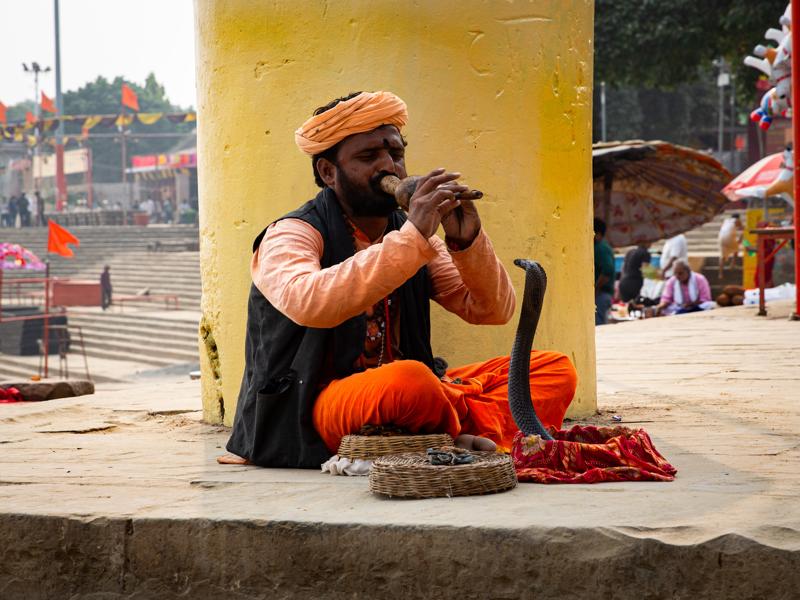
point(369, 201)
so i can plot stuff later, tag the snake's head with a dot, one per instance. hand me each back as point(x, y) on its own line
point(524, 263)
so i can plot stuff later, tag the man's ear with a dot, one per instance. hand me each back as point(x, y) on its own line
point(327, 172)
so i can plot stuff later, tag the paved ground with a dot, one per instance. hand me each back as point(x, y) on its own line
point(118, 495)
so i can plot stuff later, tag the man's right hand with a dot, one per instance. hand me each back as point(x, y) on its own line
point(434, 197)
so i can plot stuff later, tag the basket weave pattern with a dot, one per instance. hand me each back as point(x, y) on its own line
point(370, 447)
point(410, 475)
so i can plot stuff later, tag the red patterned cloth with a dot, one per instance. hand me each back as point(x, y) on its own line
point(590, 455)
point(10, 394)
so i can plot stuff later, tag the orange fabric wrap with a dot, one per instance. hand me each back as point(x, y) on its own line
point(364, 112)
point(407, 394)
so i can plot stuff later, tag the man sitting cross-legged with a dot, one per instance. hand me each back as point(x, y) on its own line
point(338, 324)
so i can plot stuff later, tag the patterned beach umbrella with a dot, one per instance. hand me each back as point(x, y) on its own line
point(16, 257)
point(648, 191)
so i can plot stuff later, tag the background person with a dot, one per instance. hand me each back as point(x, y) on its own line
point(729, 238)
point(105, 287)
point(675, 248)
point(603, 274)
point(685, 292)
point(631, 281)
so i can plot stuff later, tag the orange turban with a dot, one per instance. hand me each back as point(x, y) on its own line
point(362, 113)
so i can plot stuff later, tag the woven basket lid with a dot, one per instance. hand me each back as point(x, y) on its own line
point(370, 447)
point(410, 475)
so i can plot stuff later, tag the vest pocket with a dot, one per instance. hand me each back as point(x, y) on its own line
point(274, 414)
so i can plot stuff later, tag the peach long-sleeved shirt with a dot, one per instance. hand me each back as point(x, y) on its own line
point(471, 283)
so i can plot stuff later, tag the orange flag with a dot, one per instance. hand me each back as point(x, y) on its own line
point(3, 113)
point(58, 238)
point(48, 104)
point(129, 98)
point(29, 118)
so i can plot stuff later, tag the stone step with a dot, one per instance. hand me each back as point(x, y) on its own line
point(179, 319)
point(168, 340)
point(141, 330)
point(129, 357)
point(163, 356)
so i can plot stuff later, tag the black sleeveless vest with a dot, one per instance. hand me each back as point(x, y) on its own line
point(283, 360)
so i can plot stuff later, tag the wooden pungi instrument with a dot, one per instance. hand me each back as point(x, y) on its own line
point(403, 189)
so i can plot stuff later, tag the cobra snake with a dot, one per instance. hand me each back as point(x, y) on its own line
point(519, 382)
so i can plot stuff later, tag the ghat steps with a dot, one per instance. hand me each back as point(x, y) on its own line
point(144, 337)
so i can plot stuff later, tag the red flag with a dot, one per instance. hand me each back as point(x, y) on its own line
point(3, 113)
point(29, 118)
point(58, 238)
point(129, 98)
point(48, 104)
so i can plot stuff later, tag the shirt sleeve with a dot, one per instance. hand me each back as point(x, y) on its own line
point(472, 283)
point(666, 295)
point(287, 270)
point(703, 289)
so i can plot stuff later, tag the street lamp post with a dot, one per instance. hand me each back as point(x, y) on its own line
point(35, 69)
point(723, 80)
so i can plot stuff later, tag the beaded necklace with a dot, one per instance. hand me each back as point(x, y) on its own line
point(377, 316)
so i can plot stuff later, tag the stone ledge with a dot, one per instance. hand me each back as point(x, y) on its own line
point(47, 556)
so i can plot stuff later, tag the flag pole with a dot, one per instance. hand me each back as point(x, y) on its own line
point(46, 335)
point(124, 148)
point(61, 182)
point(796, 148)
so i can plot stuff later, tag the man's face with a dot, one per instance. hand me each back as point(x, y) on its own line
point(362, 161)
point(682, 273)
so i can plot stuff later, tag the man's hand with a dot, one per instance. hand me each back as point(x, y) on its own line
point(461, 224)
point(433, 200)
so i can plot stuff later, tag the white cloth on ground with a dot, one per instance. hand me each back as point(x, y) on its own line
point(339, 465)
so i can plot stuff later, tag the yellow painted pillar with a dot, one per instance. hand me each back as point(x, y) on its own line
point(500, 91)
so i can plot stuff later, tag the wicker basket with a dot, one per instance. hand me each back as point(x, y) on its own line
point(410, 475)
point(370, 447)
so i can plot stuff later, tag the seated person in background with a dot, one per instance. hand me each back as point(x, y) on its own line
point(685, 292)
point(631, 280)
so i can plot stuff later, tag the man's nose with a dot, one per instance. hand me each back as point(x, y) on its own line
point(385, 162)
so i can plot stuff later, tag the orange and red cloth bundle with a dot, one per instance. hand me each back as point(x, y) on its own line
point(10, 394)
point(589, 455)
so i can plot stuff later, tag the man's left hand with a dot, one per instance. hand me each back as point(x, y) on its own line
point(461, 225)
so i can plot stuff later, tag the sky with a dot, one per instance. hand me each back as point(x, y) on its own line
point(98, 37)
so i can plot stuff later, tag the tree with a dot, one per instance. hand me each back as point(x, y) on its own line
point(656, 57)
point(665, 43)
point(103, 97)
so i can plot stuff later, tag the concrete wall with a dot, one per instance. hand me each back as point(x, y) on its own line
point(500, 91)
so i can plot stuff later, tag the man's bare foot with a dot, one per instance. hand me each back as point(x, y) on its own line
point(474, 442)
point(232, 459)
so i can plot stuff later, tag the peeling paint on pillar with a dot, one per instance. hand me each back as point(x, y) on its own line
point(499, 91)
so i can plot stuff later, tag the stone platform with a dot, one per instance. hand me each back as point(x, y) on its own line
point(118, 495)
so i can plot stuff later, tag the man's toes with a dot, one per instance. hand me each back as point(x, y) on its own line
point(484, 444)
point(474, 442)
point(465, 441)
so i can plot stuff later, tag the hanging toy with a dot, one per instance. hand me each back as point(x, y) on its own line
point(776, 64)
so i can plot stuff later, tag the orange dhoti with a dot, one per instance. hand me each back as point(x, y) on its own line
point(408, 395)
